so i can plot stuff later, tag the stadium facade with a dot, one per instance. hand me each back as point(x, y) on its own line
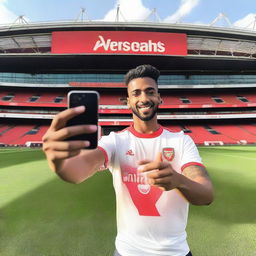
point(207, 82)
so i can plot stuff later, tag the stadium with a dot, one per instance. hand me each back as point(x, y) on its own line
point(207, 82)
point(208, 87)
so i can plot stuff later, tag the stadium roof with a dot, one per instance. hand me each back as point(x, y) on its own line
point(200, 38)
point(214, 47)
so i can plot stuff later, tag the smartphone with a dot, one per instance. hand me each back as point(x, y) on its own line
point(89, 99)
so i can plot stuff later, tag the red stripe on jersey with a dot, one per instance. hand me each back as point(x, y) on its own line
point(105, 155)
point(146, 135)
point(191, 163)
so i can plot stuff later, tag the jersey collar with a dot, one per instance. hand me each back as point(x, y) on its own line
point(146, 135)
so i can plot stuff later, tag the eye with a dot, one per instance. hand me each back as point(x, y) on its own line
point(151, 92)
point(135, 93)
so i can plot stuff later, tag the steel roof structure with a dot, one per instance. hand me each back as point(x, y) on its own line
point(27, 48)
point(36, 38)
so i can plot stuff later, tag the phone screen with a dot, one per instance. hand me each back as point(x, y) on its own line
point(89, 99)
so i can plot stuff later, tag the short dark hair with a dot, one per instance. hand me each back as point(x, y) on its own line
point(142, 71)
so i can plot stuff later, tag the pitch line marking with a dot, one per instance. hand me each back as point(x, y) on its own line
point(245, 157)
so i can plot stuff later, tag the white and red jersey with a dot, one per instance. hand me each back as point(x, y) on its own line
point(150, 221)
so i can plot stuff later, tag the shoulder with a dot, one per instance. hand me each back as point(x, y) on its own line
point(180, 136)
point(122, 132)
point(173, 133)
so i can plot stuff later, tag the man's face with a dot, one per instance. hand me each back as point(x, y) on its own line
point(143, 98)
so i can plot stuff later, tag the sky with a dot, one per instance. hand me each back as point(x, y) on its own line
point(236, 13)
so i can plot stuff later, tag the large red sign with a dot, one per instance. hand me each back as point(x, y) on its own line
point(119, 42)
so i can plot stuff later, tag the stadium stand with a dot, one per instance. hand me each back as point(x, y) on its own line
point(251, 129)
point(201, 134)
point(170, 99)
point(235, 133)
point(13, 134)
point(209, 92)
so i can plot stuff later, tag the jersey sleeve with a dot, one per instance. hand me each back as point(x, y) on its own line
point(107, 145)
point(190, 154)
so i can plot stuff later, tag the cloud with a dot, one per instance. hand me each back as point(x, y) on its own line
point(129, 10)
point(247, 22)
point(6, 16)
point(184, 9)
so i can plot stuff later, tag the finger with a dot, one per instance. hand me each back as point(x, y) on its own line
point(58, 155)
point(159, 157)
point(70, 131)
point(153, 166)
point(143, 162)
point(69, 145)
point(159, 174)
point(165, 187)
point(160, 181)
point(60, 120)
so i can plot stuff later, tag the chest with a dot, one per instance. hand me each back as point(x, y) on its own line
point(133, 150)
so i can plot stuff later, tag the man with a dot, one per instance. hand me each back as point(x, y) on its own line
point(156, 172)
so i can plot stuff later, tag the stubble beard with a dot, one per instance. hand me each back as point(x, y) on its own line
point(136, 112)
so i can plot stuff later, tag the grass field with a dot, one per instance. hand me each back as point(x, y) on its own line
point(41, 215)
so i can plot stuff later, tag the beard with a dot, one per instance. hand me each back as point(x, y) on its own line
point(145, 117)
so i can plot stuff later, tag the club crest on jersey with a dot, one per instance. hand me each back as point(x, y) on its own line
point(168, 154)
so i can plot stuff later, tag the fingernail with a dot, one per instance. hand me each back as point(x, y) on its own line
point(79, 109)
point(140, 168)
point(93, 128)
point(87, 143)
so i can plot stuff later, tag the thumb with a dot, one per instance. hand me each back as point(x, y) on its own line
point(159, 157)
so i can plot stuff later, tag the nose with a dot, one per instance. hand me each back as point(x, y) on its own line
point(143, 97)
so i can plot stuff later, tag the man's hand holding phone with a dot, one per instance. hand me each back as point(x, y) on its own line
point(55, 144)
point(73, 129)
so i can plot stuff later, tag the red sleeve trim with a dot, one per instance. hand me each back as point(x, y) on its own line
point(105, 155)
point(191, 163)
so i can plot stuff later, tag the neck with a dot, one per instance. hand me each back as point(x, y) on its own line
point(146, 127)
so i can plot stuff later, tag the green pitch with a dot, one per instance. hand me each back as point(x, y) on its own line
point(41, 215)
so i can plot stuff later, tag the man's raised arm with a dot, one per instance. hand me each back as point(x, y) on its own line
point(195, 183)
point(69, 159)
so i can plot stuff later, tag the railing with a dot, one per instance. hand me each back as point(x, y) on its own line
point(118, 78)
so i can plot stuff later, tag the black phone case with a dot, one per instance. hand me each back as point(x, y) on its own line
point(89, 99)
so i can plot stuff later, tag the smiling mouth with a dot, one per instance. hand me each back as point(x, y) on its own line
point(145, 107)
point(145, 111)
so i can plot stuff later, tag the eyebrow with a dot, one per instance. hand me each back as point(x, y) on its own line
point(147, 89)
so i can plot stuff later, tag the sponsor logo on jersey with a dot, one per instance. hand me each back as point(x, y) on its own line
point(142, 194)
point(168, 154)
point(114, 46)
point(140, 179)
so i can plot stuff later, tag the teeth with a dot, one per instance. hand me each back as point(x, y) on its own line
point(145, 107)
